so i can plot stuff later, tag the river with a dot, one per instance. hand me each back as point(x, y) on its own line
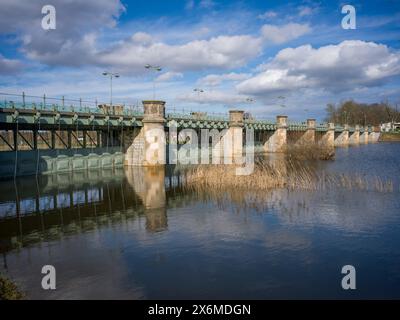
point(138, 234)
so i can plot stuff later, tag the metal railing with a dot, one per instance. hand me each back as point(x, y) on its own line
point(45, 103)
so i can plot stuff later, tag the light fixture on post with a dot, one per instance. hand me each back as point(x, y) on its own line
point(156, 69)
point(111, 75)
point(198, 90)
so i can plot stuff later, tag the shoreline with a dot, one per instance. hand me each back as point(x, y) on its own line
point(389, 137)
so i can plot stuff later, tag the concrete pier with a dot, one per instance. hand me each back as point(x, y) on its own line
point(149, 146)
point(328, 139)
point(235, 132)
point(343, 139)
point(355, 137)
point(374, 135)
point(364, 137)
point(278, 141)
point(309, 135)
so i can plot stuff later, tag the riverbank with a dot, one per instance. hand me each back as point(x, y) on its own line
point(9, 290)
point(389, 137)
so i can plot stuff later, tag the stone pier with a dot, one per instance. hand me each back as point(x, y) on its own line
point(355, 137)
point(278, 141)
point(374, 135)
point(364, 137)
point(149, 146)
point(343, 139)
point(309, 136)
point(328, 139)
point(235, 133)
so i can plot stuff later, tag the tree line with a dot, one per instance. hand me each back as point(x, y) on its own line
point(352, 113)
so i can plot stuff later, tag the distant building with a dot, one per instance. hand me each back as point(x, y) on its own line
point(390, 126)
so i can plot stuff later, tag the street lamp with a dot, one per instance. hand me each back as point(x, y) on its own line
point(250, 100)
point(111, 75)
point(198, 90)
point(282, 98)
point(156, 69)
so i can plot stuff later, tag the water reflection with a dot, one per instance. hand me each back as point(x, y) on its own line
point(140, 234)
point(149, 185)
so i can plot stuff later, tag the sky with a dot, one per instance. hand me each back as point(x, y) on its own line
point(265, 57)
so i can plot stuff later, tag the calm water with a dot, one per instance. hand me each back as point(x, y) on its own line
point(137, 234)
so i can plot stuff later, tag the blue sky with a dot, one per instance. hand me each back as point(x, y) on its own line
point(287, 57)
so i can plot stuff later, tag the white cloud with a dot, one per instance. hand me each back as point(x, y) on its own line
point(169, 75)
point(284, 33)
point(267, 15)
point(342, 67)
point(213, 97)
point(216, 79)
point(307, 11)
point(217, 52)
point(68, 44)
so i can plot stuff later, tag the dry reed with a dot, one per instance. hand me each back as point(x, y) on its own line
point(289, 174)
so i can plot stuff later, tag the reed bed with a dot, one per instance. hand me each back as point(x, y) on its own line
point(289, 174)
point(309, 152)
point(9, 290)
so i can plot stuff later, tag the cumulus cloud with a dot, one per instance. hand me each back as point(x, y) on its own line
point(218, 52)
point(77, 40)
point(71, 42)
point(285, 33)
point(216, 79)
point(349, 65)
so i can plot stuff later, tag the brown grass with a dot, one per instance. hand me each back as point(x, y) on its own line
point(9, 290)
point(310, 152)
point(289, 174)
point(389, 137)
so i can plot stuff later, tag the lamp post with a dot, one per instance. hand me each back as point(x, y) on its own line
point(111, 75)
point(198, 90)
point(282, 98)
point(157, 69)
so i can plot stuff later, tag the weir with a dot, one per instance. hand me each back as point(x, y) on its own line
point(43, 139)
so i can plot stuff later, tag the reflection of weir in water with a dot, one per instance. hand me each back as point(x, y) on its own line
point(65, 204)
point(149, 185)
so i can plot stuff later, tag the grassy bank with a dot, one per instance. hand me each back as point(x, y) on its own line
point(389, 137)
point(9, 290)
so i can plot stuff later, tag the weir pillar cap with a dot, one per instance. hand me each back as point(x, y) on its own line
point(311, 123)
point(281, 121)
point(236, 118)
point(154, 111)
point(331, 126)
